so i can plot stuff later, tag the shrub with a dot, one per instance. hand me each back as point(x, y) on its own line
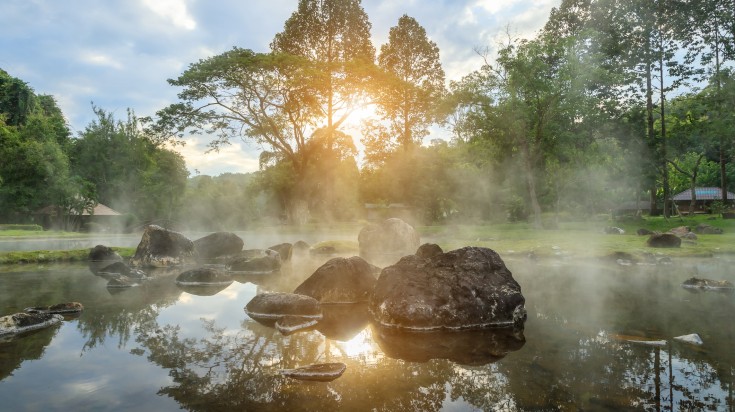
point(34, 228)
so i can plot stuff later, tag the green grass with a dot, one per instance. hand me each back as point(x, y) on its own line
point(55, 256)
point(39, 233)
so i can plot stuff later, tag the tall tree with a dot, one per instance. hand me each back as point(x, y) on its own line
point(335, 36)
point(408, 97)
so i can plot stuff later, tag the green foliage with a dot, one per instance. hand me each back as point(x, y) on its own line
point(34, 228)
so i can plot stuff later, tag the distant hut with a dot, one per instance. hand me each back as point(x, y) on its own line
point(705, 196)
point(102, 218)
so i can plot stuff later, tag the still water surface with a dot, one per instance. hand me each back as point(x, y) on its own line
point(160, 347)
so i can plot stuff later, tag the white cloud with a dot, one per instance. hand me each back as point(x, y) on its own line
point(100, 59)
point(174, 11)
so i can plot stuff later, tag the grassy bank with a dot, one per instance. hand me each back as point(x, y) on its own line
point(54, 256)
point(566, 239)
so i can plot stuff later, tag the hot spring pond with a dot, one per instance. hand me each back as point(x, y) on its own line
point(160, 347)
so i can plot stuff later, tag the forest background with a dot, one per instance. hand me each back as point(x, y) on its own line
point(612, 101)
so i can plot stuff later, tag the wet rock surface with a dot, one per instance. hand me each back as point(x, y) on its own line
point(204, 276)
point(707, 284)
point(383, 244)
point(218, 244)
point(59, 308)
point(428, 250)
point(285, 250)
point(161, 247)
point(256, 261)
point(24, 322)
point(468, 288)
point(276, 305)
point(120, 268)
point(340, 280)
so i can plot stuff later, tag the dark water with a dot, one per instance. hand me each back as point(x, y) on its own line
point(159, 347)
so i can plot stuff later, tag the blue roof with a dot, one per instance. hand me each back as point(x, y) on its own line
point(704, 193)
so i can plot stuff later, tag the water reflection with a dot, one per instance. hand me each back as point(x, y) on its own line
point(174, 348)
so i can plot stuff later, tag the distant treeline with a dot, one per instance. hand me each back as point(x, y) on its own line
point(612, 101)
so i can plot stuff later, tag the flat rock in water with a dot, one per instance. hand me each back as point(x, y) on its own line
point(707, 284)
point(204, 276)
point(256, 262)
point(290, 324)
point(693, 339)
point(121, 282)
point(60, 308)
point(276, 305)
point(322, 372)
point(24, 322)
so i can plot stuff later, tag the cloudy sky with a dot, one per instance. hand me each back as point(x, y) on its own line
point(118, 54)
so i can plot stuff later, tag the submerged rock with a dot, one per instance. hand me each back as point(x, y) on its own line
point(121, 282)
point(276, 305)
point(205, 276)
point(256, 262)
point(60, 308)
point(25, 322)
point(467, 288)
point(161, 247)
point(218, 244)
point(693, 339)
point(322, 372)
point(664, 240)
point(340, 280)
point(385, 243)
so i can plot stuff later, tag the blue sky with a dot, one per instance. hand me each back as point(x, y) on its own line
point(119, 53)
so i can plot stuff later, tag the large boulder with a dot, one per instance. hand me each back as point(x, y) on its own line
point(383, 244)
point(218, 244)
point(340, 280)
point(277, 305)
point(161, 247)
point(468, 288)
point(102, 256)
point(664, 240)
point(256, 262)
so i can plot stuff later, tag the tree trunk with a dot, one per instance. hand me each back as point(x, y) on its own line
point(531, 183)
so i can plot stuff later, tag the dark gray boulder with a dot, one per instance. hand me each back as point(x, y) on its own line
point(664, 240)
point(218, 244)
point(161, 247)
point(256, 261)
point(428, 250)
point(468, 288)
point(205, 276)
point(102, 256)
point(383, 244)
point(705, 229)
point(276, 305)
point(340, 280)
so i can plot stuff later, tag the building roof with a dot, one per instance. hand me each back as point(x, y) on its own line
point(99, 210)
point(703, 193)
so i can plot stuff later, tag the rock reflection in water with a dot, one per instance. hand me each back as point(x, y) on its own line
point(469, 347)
